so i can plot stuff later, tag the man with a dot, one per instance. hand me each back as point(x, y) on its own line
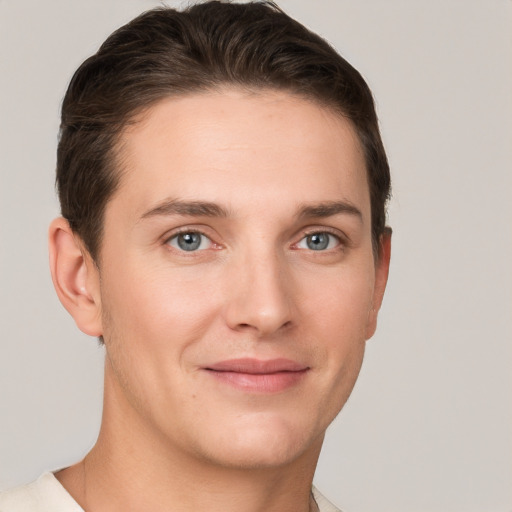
point(223, 187)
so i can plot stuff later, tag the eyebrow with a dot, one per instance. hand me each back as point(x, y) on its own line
point(209, 209)
point(190, 208)
point(329, 209)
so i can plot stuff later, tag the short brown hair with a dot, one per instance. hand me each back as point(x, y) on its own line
point(165, 52)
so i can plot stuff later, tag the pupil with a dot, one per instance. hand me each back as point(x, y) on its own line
point(318, 242)
point(189, 241)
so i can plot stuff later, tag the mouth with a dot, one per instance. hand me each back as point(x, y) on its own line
point(258, 376)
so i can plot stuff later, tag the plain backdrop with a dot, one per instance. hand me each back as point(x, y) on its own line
point(429, 425)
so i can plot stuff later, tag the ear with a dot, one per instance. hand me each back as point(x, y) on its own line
point(381, 279)
point(75, 277)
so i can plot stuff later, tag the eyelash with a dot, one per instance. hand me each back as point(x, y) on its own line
point(341, 242)
point(340, 246)
point(185, 231)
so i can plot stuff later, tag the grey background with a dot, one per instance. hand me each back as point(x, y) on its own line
point(429, 425)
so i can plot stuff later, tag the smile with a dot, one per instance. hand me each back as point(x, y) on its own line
point(256, 376)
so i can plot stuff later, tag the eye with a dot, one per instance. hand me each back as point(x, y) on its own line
point(190, 241)
point(319, 241)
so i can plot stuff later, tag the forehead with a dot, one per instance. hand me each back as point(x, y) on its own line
point(241, 148)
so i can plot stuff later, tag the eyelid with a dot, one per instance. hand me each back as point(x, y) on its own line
point(168, 236)
point(333, 243)
point(174, 242)
point(202, 230)
point(344, 240)
point(314, 230)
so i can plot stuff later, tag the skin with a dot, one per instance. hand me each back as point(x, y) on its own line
point(172, 431)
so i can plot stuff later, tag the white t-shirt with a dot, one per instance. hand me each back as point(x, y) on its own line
point(46, 494)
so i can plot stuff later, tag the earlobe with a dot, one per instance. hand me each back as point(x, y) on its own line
point(75, 277)
point(381, 279)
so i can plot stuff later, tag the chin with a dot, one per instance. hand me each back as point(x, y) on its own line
point(271, 444)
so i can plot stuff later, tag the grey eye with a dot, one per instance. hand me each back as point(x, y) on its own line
point(319, 241)
point(189, 241)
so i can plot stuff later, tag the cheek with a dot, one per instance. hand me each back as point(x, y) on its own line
point(161, 309)
point(342, 304)
point(339, 319)
point(153, 322)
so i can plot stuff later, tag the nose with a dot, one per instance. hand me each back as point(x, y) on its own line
point(260, 296)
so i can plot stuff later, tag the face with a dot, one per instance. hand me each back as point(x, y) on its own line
point(237, 279)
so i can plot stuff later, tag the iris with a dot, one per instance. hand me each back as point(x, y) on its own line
point(318, 241)
point(189, 241)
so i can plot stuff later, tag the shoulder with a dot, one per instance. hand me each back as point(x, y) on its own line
point(46, 494)
point(324, 505)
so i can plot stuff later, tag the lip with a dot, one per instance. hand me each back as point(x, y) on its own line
point(258, 376)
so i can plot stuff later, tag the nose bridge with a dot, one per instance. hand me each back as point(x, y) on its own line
point(260, 297)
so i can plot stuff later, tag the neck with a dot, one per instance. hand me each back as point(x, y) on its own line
point(132, 468)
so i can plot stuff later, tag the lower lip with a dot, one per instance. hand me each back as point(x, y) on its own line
point(260, 382)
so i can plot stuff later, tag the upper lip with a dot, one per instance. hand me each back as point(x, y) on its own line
point(257, 366)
